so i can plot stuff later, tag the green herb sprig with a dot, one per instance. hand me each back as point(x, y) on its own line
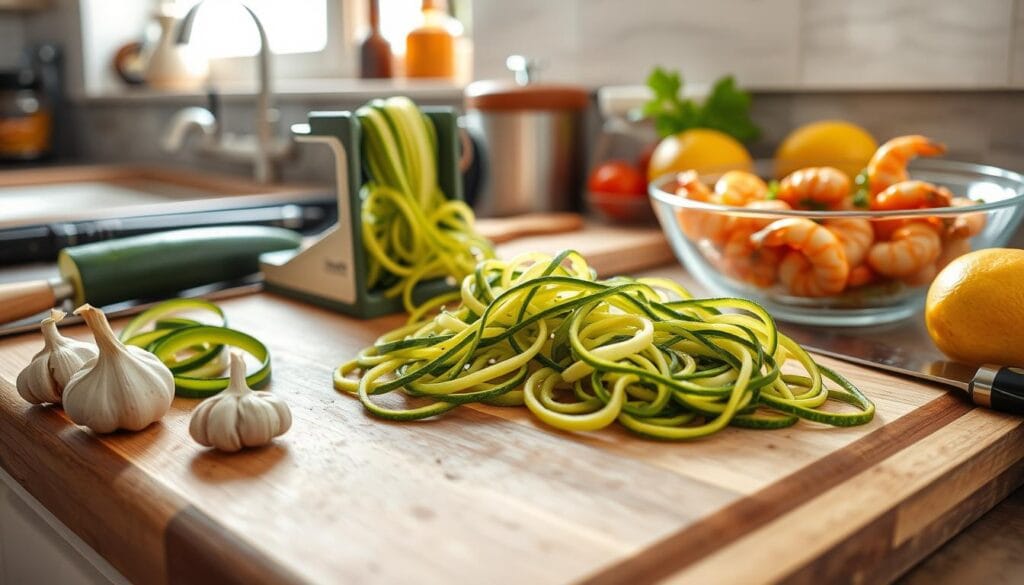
point(727, 108)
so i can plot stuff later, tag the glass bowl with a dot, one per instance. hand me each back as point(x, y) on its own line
point(730, 264)
point(621, 208)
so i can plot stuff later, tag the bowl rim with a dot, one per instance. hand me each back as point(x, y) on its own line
point(657, 192)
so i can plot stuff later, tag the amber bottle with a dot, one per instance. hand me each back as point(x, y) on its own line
point(430, 47)
point(374, 51)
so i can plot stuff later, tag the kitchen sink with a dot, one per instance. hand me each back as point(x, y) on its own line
point(75, 193)
point(44, 210)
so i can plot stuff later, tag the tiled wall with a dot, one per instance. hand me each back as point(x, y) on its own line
point(1017, 55)
point(977, 126)
point(767, 44)
point(129, 131)
point(12, 37)
point(789, 51)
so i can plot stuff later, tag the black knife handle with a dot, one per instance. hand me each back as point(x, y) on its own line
point(999, 388)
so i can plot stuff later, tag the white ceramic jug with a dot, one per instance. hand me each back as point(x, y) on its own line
point(173, 66)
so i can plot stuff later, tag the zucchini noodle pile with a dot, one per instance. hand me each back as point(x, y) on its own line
point(411, 231)
point(582, 353)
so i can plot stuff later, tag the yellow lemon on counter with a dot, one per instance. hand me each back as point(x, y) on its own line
point(702, 149)
point(975, 308)
point(833, 143)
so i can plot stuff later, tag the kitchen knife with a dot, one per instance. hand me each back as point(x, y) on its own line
point(42, 242)
point(907, 350)
point(147, 266)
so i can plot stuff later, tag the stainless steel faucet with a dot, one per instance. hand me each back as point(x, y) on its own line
point(264, 148)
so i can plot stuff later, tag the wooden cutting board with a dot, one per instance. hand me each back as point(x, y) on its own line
point(488, 495)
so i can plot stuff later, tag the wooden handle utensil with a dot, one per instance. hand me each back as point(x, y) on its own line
point(23, 299)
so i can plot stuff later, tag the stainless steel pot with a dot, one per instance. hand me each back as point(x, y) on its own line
point(530, 137)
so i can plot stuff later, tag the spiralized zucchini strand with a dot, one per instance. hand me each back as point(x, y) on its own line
point(582, 353)
point(411, 231)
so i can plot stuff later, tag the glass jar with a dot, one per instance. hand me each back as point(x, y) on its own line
point(26, 121)
point(624, 131)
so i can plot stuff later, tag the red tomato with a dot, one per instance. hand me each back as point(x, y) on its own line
point(617, 176)
point(619, 191)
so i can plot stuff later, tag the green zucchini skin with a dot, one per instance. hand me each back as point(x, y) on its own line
point(161, 264)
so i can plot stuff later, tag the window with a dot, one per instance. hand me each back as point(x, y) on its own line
point(308, 37)
point(397, 18)
point(223, 29)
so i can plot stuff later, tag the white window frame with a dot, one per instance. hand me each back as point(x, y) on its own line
point(101, 35)
point(335, 60)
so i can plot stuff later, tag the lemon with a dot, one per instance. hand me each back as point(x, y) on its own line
point(975, 308)
point(833, 143)
point(702, 149)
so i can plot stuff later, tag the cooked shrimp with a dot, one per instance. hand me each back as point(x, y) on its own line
point(848, 204)
point(799, 276)
point(690, 186)
point(691, 221)
point(885, 228)
point(912, 195)
point(855, 234)
point(738, 188)
point(911, 248)
point(952, 249)
point(888, 165)
point(922, 277)
point(715, 226)
point(745, 261)
point(966, 225)
point(814, 187)
point(752, 224)
point(816, 266)
point(860, 275)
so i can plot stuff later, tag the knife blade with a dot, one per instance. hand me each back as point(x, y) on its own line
point(906, 349)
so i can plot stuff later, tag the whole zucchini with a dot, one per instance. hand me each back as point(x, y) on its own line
point(161, 264)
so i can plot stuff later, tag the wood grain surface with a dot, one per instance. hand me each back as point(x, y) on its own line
point(489, 495)
point(505, 229)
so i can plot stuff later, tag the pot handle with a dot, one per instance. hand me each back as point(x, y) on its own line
point(466, 150)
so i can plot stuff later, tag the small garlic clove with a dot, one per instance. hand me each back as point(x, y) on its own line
point(35, 384)
point(122, 388)
point(46, 376)
point(224, 433)
point(239, 417)
point(266, 416)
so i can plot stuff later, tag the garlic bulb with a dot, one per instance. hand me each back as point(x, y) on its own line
point(45, 377)
point(239, 417)
point(124, 387)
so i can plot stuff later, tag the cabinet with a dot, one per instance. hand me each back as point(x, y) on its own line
point(35, 548)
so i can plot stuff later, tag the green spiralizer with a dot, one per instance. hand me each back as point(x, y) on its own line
point(332, 270)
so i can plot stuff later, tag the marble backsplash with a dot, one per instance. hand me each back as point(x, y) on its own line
point(983, 126)
point(766, 44)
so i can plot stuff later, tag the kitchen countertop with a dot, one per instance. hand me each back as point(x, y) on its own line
point(990, 550)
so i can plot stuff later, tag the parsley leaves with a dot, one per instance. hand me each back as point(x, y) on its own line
point(726, 109)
